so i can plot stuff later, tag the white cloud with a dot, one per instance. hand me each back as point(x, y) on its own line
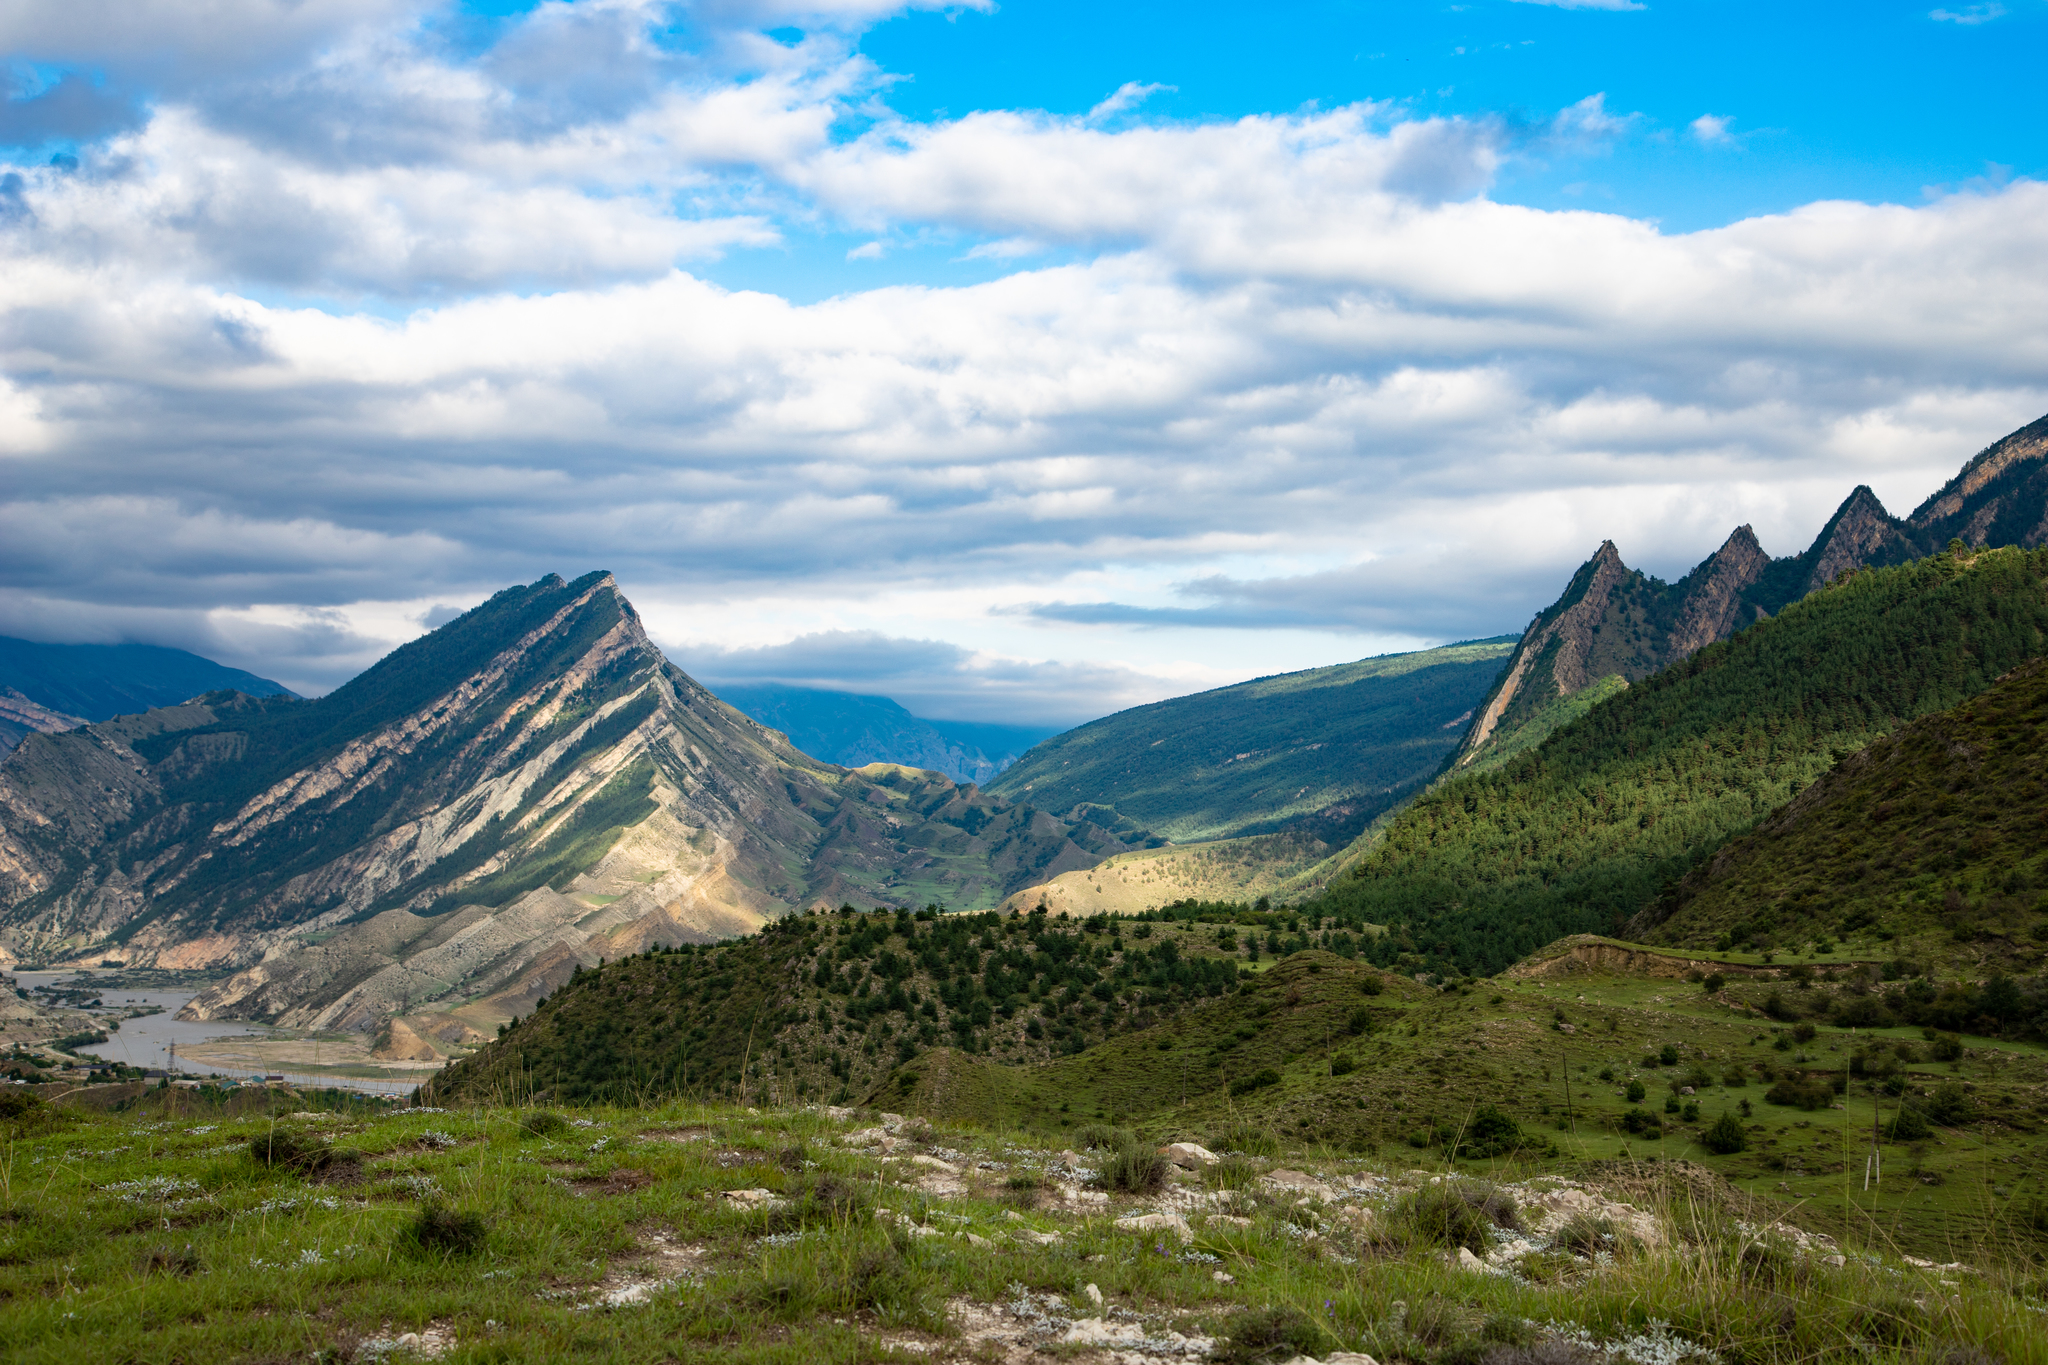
point(1711, 130)
point(1588, 4)
point(1969, 14)
point(1294, 389)
point(1129, 95)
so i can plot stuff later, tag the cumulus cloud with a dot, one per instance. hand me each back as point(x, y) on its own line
point(366, 323)
point(1969, 14)
point(1712, 129)
point(1588, 4)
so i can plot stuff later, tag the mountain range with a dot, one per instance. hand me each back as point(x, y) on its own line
point(1614, 626)
point(531, 786)
point(46, 688)
point(854, 729)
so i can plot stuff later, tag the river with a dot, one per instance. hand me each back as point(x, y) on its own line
point(149, 1042)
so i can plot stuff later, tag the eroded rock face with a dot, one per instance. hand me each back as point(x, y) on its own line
point(529, 789)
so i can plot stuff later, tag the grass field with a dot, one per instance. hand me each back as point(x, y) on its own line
point(687, 1233)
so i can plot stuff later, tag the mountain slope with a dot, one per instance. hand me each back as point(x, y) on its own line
point(1584, 830)
point(1613, 626)
point(1322, 751)
point(1935, 837)
point(537, 759)
point(99, 682)
point(855, 730)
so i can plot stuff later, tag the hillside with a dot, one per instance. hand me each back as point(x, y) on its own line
point(1321, 752)
point(1581, 832)
point(1614, 625)
point(50, 688)
point(853, 731)
point(530, 787)
point(1931, 842)
point(1063, 1029)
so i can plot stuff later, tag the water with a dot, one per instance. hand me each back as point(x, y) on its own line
point(148, 1042)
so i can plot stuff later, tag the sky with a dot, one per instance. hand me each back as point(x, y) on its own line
point(1019, 361)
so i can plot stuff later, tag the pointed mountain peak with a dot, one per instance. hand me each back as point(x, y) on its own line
point(1740, 541)
point(1862, 501)
point(2029, 443)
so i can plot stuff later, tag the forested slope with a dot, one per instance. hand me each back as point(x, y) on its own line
point(1582, 832)
point(1934, 840)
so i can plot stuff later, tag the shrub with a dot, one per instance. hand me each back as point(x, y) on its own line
point(281, 1147)
point(1668, 1055)
point(1248, 1138)
point(1735, 1076)
point(1803, 1032)
point(1803, 1092)
point(1103, 1135)
point(1636, 1092)
point(1371, 985)
point(1258, 1080)
point(1490, 1133)
point(446, 1232)
point(1715, 984)
point(1726, 1137)
point(1359, 1022)
point(1270, 1334)
point(1642, 1123)
point(542, 1123)
point(1949, 1105)
point(1343, 1064)
point(1908, 1125)
point(1135, 1168)
point(1947, 1048)
point(1456, 1214)
point(1233, 1172)
point(1586, 1235)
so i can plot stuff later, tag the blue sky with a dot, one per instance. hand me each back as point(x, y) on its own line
point(1018, 361)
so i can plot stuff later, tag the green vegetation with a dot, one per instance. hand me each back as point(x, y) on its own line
point(1928, 846)
point(1321, 751)
point(682, 1231)
point(1582, 832)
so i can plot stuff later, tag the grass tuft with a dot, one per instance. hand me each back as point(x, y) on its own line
point(447, 1232)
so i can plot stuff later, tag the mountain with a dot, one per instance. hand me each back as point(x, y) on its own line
point(47, 688)
point(1582, 831)
point(1614, 626)
point(530, 786)
point(854, 730)
point(1928, 845)
point(1321, 751)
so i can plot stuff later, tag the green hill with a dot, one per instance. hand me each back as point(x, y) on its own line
point(1932, 842)
point(1323, 751)
point(1582, 832)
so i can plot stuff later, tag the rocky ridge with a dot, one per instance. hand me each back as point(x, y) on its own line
point(529, 788)
point(1614, 625)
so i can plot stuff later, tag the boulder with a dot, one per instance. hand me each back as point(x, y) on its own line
point(1158, 1222)
point(1189, 1156)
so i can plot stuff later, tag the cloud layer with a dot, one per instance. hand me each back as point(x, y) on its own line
point(305, 335)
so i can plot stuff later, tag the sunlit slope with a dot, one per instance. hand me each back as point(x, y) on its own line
point(1323, 750)
point(1582, 832)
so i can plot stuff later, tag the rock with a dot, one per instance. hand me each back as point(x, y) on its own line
point(1093, 1294)
point(892, 1121)
point(1685, 1090)
point(1357, 1215)
point(1160, 1222)
point(865, 1137)
point(1224, 1277)
point(1304, 1360)
point(1300, 1182)
point(1189, 1156)
point(1231, 1219)
point(1044, 1239)
point(753, 1199)
point(974, 1239)
point(1465, 1260)
point(922, 1160)
point(1837, 1260)
point(840, 1112)
point(1349, 1358)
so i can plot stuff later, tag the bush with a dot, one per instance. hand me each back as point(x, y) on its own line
point(1908, 1125)
point(1491, 1133)
point(1947, 1048)
point(1803, 1032)
point(1359, 1022)
point(1715, 984)
point(1233, 1172)
point(1668, 1055)
point(1258, 1080)
point(1588, 1236)
point(1248, 1138)
point(1371, 985)
point(1343, 1064)
point(1455, 1214)
point(446, 1232)
point(1726, 1137)
point(1103, 1135)
point(1949, 1105)
point(1642, 1123)
point(281, 1147)
point(541, 1123)
point(1803, 1092)
point(1135, 1168)
point(1735, 1076)
point(1270, 1334)
point(1636, 1092)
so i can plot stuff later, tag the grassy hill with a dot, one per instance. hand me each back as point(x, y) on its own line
point(1322, 751)
point(1933, 841)
point(1584, 831)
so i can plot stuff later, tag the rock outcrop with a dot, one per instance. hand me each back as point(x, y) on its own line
point(530, 788)
point(1614, 626)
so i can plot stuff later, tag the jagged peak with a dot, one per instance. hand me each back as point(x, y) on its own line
point(1742, 538)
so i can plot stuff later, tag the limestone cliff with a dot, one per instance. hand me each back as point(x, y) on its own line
point(530, 787)
point(1999, 498)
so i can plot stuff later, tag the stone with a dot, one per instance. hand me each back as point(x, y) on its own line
point(1299, 1182)
point(1349, 1358)
point(1044, 1239)
point(1158, 1222)
point(1230, 1219)
point(1189, 1156)
point(1224, 1277)
point(922, 1160)
point(840, 1112)
point(892, 1121)
point(1465, 1260)
point(1093, 1294)
point(753, 1199)
point(865, 1137)
point(1685, 1090)
point(974, 1239)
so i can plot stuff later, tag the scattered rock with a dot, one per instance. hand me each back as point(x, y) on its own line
point(1223, 1277)
point(1092, 1294)
point(1300, 1182)
point(1189, 1155)
point(1465, 1260)
point(754, 1199)
point(1230, 1219)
